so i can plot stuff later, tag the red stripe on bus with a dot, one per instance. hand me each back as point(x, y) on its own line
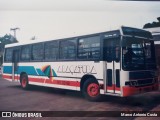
point(16, 77)
point(110, 87)
point(49, 81)
point(10, 77)
point(40, 80)
point(117, 89)
point(113, 87)
point(58, 82)
point(7, 76)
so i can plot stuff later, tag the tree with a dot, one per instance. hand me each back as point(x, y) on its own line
point(153, 24)
point(6, 39)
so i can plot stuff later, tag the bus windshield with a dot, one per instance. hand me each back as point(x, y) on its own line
point(138, 54)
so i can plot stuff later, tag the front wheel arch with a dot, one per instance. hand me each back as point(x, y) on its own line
point(85, 78)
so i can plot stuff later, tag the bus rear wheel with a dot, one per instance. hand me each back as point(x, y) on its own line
point(24, 81)
point(91, 90)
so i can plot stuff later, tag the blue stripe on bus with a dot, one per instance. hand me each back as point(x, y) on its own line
point(28, 69)
point(7, 69)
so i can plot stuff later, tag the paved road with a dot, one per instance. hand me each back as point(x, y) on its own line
point(13, 97)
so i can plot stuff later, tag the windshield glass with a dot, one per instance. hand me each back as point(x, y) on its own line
point(137, 54)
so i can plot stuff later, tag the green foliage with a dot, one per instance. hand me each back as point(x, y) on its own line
point(153, 24)
point(6, 39)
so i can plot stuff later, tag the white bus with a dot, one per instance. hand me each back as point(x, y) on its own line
point(120, 63)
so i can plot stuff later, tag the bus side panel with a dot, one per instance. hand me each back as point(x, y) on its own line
point(7, 71)
point(66, 75)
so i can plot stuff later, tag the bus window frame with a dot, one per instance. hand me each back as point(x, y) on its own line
point(30, 47)
point(137, 37)
point(13, 49)
point(51, 60)
point(59, 50)
point(100, 48)
point(31, 55)
point(8, 61)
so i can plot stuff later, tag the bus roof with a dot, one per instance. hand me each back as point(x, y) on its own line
point(125, 31)
point(87, 35)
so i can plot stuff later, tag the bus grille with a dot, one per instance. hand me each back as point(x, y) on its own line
point(145, 82)
point(140, 83)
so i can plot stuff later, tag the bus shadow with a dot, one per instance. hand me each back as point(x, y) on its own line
point(63, 92)
point(51, 90)
point(146, 101)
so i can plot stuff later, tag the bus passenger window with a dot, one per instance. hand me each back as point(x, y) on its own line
point(37, 51)
point(68, 49)
point(89, 48)
point(51, 50)
point(8, 55)
point(25, 53)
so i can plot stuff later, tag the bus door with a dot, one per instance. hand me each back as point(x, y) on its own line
point(15, 60)
point(112, 65)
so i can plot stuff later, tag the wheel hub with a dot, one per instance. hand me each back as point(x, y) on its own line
point(24, 82)
point(93, 90)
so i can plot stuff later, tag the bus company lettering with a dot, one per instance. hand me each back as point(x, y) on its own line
point(85, 69)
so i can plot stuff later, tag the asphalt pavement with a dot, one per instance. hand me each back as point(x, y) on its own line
point(14, 98)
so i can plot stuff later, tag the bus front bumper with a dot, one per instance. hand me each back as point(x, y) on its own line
point(128, 90)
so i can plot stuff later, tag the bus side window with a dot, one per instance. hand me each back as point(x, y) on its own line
point(25, 53)
point(37, 51)
point(89, 48)
point(111, 50)
point(51, 50)
point(68, 49)
point(8, 55)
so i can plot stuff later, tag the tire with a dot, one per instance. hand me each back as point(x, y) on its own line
point(91, 90)
point(24, 81)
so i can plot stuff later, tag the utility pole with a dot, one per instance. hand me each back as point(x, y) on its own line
point(14, 31)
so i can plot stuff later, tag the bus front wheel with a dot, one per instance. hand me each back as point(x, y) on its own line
point(91, 90)
point(24, 81)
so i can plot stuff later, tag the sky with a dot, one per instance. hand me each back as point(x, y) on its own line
point(53, 19)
